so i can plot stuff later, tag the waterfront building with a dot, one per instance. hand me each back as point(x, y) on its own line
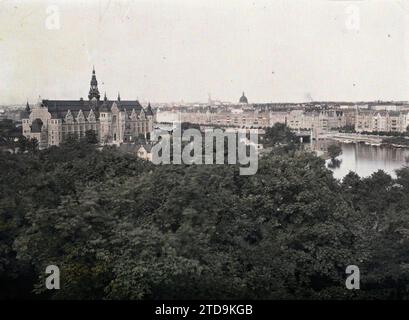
point(257, 116)
point(324, 120)
point(387, 121)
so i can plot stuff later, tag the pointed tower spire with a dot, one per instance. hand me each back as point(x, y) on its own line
point(105, 96)
point(149, 110)
point(27, 107)
point(119, 97)
point(93, 90)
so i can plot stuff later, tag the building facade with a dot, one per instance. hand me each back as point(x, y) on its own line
point(242, 116)
point(386, 121)
point(114, 122)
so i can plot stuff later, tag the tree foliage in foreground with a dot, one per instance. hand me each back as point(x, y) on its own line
point(121, 228)
point(334, 151)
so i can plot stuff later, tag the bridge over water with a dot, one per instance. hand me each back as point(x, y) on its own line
point(352, 137)
point(307, 135)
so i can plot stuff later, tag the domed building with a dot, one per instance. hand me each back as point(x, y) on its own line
point(243, 99)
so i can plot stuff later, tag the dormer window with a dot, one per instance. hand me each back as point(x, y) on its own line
point(68, 117)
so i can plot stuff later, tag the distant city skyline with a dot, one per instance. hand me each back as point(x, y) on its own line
point(169, 51)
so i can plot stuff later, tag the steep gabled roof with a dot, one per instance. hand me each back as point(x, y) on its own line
point(59, 108)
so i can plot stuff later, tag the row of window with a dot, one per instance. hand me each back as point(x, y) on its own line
point(105, 115)
point(79, 120)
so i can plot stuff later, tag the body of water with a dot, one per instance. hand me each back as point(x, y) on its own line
point(366, 159)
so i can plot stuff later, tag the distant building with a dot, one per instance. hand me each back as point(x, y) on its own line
point(227, 118)
point(243, 99)
point(145, 152)
point(324, 120)
point(246, 116)
point(388, 107)
point(387, 121)
point(114, 122)
point(320, 117)
point(11, 114)
point(278, 117)
point(142, 151)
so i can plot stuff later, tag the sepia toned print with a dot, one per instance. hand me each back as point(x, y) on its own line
point(224, 151)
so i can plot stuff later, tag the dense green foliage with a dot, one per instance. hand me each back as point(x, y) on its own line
point(12, 140)
point(334, 150)
point(279, 135)
point(122, 228)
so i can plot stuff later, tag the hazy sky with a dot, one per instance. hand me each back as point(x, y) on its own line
point(157, 50)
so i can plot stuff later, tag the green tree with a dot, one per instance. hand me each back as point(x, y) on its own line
point(334, 151)
point(279, 134)
point(91, 137)
point(121, 228)
point(9, 133)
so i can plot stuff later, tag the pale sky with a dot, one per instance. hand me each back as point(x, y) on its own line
point(164, 51)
